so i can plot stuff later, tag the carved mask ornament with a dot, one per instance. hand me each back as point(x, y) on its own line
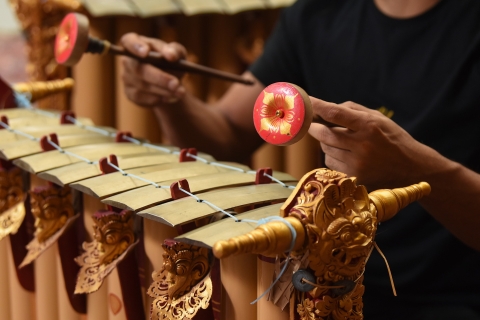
point(12, 210)
point(340, 222)
point(113, 238)
point(114, 233)
point(53, 210)
point(11, 188)
point(51, 207)
point(183, 285)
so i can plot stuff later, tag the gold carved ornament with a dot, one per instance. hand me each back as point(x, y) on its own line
point(113, 238)
point(335, 223)
point(12, 209)
point(53, 211)
point(40, 89)
point(183, 285)
point(39, 21)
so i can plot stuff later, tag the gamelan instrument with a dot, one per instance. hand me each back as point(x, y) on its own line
point(73, 41)
point(120, 228)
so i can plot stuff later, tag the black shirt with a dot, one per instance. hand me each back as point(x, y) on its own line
point(426, 70)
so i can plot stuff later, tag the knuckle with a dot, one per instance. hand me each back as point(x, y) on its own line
point(179, 47)
point(372, 125)
point(348, 104)
point(128, 37)
point(333, 114)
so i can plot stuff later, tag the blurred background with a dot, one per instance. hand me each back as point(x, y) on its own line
point(13, 59)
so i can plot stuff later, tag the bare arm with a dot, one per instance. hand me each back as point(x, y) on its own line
point(380, 154)
point(224, 129)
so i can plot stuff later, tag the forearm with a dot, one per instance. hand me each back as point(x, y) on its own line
point(455, 200)
point(192, 123)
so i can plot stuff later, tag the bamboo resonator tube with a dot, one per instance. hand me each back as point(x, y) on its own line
point(275, 237)
point(73, 41)
point(41, 89)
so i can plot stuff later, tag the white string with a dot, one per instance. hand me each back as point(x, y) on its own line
point(70, 153)
point(132, 140)
point(26, 135)
point(23, 99)
point(281, 219)
point(149, 145)
point(209, 204)
point(215, 163)
point(278, 181)
point(126, 174)
point(90, 128)
point(274, 282)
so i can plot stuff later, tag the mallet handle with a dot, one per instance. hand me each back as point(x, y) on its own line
point(154, 58)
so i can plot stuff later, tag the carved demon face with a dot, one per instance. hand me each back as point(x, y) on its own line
point(11, 188)
point(114, 233)
point(186, 265)
point(51, 208)
point(341, 225)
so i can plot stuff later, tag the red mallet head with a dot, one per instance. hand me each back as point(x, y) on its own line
point(72, 39)
point(282, 113)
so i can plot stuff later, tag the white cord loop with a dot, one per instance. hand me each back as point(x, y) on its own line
point(89, 128)
point(53, 144)
point(209, 204)
point(126, 174)
point(20, 133)
point(132, 140)
point(278, 181)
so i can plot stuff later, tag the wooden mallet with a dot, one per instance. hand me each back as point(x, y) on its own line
point(283, 113)
point(73, 41)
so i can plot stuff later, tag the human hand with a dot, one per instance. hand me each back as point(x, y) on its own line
point(145, 84)
point(368, 145)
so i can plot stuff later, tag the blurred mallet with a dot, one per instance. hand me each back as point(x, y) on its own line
point(283, 113)
point(73, 41)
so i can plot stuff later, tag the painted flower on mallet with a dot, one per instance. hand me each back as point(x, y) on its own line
point(277, 112)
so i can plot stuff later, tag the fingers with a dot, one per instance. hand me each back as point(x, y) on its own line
point(141, 46)
point(135, 71)
point(348, 114)
point(338, 137)
point(172, 51)
point(135, 44)
point(146, 85)
point(334, 158)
